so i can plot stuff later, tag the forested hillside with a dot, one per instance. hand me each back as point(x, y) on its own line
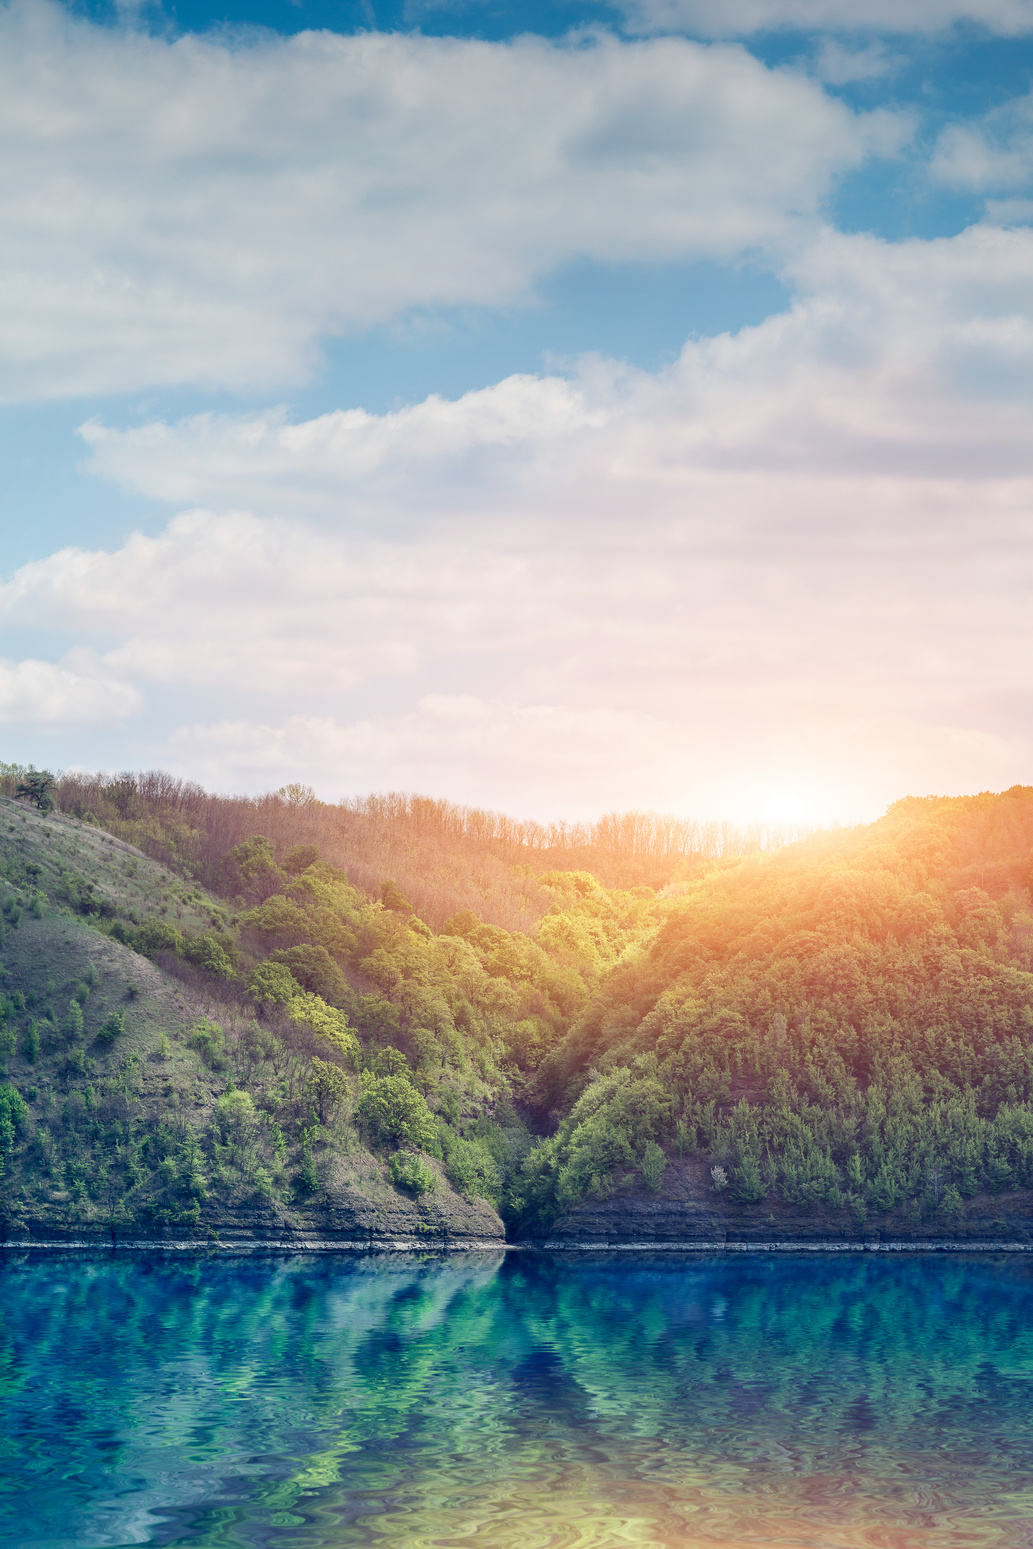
point(846, 1025)
point(215, 1006)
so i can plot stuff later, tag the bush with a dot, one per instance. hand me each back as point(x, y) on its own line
point(207, 953)
point(209, 1040)
point(411, 1173)
point(113, 1027)
point(470, 1167)
point(31, 1042)
point(747, 1184)
point(157, 936)
point(392, 1111)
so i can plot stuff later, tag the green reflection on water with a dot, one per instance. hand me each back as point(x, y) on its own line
point(531, 1400)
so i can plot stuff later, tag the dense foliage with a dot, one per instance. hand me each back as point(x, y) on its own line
point(844, 1025)
point(848, 1023)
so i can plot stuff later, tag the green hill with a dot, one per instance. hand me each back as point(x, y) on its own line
point(224, 1017)
point(835, 1038)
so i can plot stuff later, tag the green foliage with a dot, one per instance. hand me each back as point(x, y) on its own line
point(209, 1040)
point(208, 953)
point(391, 898)
point(31, 1044)
point(255, 857)
point(470, 1166)
point(72, 1025)
point(330, 1086)
point(13, 1114)
point(112, 1027)
point(653, 1165)
point(272, 984)
point(394, 1113)
point(412, 1173)
point(299, 858)
point(37, 786)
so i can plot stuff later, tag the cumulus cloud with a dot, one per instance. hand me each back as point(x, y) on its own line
point(203, 211)
point(798, 556)
point(992, 155)
point(739, 18)
point(35, 692)
point(913, 358)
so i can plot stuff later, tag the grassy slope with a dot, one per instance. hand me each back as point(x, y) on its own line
point(122, 1134)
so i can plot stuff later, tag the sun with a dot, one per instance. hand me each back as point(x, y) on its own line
point(790, 805)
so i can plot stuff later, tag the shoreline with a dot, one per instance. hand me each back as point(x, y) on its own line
point(251, 1246)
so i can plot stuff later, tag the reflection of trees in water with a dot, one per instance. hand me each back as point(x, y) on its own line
point(402, 1374)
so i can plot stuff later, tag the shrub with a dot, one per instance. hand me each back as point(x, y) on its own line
point(470, 1167)
point(13, 1113)
point(31, 1045)
point(209, 1040)
point(207, 953)
point(411, 1173)
point(747, 1184)
point(157, 936)
point(113, 1027)
point(719, 1178)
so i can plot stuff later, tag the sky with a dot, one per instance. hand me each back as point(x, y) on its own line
point(554, 407)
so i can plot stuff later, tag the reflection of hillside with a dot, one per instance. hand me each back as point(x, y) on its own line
point(404, 1400)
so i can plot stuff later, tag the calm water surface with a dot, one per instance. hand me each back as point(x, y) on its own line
point(530, 1400)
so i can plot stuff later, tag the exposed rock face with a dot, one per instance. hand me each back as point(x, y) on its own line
point(687, 1211)
point(349, 1219)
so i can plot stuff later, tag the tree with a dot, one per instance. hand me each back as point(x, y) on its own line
point(36, 785)
point(273, 985)
point(393, 1111)
point(653, 1164)
point(330, 1086)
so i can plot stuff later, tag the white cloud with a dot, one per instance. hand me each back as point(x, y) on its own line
point(739, 18)
point(991, 155)
point(262, 460)
point(797, 558)
point(839, 65)
point(35, 692)
point(204, 211)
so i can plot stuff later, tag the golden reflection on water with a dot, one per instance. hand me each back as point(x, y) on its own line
point(899, 1501)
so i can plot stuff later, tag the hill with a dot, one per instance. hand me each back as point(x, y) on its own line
point(836, 1039)
point(293, 1057)
point(238, 1034)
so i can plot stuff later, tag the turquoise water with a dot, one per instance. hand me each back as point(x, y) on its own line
point(531, 1400)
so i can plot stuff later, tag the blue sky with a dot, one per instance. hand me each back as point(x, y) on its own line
point(551, 407)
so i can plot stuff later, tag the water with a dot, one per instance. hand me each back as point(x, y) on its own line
point(528, 1400)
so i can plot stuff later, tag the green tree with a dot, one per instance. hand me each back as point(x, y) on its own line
point(329, 1085)
point(37, 786)
point(653, 1164)
point(273, 984)
point(393, 1112)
